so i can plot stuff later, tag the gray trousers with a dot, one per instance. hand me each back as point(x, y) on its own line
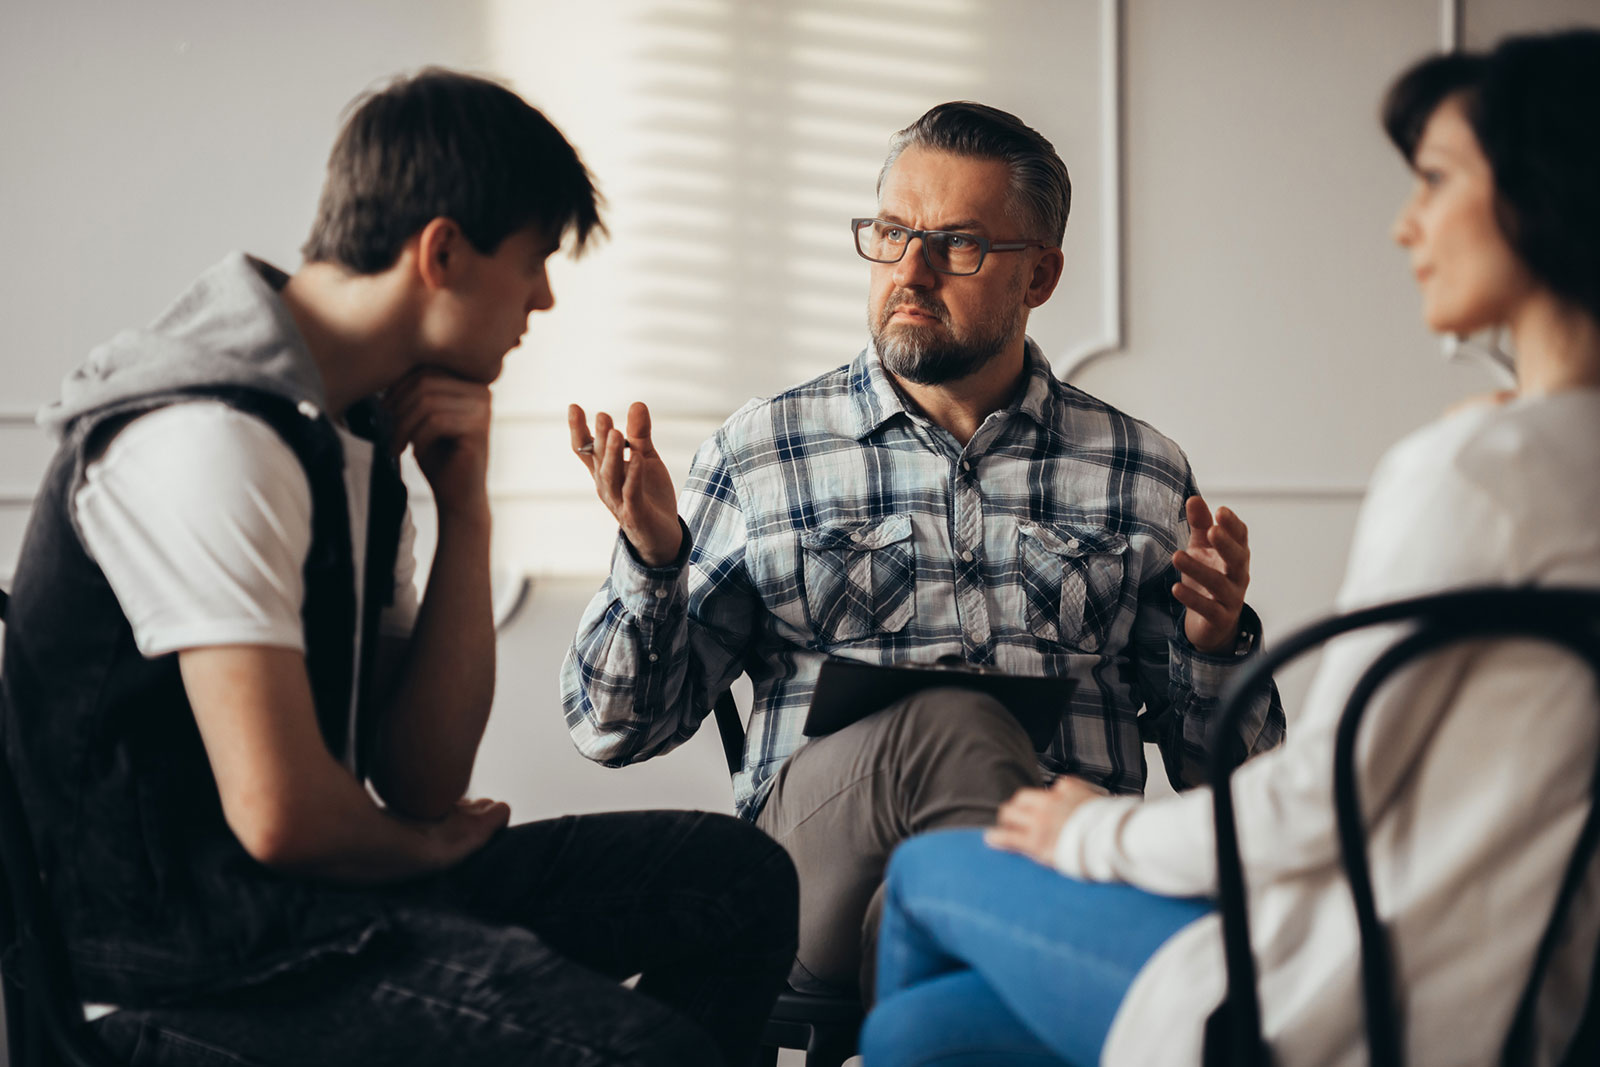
point(940, 758)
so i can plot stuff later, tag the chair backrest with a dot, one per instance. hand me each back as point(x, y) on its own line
point(44, 1016)
point(731, 727)
point(1566, 617)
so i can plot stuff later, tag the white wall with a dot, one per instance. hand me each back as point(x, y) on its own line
point(1269, 324)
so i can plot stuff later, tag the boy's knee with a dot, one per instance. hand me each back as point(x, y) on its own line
point(766, 883)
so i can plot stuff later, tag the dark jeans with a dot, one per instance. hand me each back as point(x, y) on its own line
point(517, 957)
point(938, 759)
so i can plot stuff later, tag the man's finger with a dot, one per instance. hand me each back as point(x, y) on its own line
point(602, 436)
point(1200, 573)
point(609, 448)
point(1210, 610)
point(639, 429)
point(578, 431)
point(1199, 516)
point(1229, 521)
point(1235, 556)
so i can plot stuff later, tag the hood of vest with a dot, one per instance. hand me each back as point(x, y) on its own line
point(229, 329)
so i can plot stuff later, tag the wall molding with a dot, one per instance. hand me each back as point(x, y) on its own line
point(1284, 491)
point(1489, 346)
point(1113, 217)
point(1452, 19)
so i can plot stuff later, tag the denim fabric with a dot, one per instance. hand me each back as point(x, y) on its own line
point(988, 958)
point(517, 957)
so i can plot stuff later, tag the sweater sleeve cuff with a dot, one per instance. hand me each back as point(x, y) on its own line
point(1076, 847)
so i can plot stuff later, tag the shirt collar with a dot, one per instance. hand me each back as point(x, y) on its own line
point(875, 400)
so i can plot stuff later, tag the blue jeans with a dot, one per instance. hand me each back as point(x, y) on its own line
point(987, 958)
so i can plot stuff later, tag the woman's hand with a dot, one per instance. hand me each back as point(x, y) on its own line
point(1031, 821)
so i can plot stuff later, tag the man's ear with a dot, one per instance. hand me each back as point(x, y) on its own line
point(439, 247)
point(1046, 274)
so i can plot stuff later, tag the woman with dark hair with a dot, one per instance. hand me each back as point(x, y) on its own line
point(1475, 766)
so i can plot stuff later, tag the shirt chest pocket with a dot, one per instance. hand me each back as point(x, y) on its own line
point(860, 578)
point(1072, 582)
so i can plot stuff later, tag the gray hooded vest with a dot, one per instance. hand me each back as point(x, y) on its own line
point(156, 896)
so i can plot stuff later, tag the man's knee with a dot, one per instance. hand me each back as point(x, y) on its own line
point(950, 722)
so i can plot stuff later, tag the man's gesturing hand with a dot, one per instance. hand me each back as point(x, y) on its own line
point(631, 481)
point(1216, 572)
point(445, 420)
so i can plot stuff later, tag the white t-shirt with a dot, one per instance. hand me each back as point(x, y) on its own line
point(200, 518)
point(1475, 769)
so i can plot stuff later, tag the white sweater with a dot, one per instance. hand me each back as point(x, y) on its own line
point(1474, 771)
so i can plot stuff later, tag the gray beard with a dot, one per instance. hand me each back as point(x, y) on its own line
point(916, 354)
point(919, 355)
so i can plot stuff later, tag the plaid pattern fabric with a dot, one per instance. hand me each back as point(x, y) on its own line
point(831, 520)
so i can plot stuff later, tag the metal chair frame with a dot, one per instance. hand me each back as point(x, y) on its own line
point(1569, 618)
point(827, 1027)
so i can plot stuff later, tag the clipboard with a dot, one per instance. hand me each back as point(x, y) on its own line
point(848, 690)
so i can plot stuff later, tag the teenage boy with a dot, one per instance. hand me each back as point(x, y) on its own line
point(241, 741)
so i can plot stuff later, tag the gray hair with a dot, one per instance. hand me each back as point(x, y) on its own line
point(1041, 190)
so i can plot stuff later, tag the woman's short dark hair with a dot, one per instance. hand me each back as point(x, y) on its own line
point(1041, 190)
point(444, 144)
point(1534, 105)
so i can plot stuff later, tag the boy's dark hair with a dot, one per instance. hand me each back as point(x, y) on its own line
point(1534, 106)
point(1041, 190)
point(444, 144)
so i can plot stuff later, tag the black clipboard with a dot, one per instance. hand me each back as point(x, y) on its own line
point(848, 690)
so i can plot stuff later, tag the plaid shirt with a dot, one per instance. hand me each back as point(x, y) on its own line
point(833, 520)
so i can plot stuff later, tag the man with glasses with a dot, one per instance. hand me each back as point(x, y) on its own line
point(942, 494)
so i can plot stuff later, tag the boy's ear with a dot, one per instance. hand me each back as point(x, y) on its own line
point(439, 252)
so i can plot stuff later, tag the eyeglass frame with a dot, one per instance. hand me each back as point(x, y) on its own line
point(985, 246)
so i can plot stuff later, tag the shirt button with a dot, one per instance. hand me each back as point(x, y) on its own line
point(654, 657)
point(966, 554)
point(966, 466)
point(1072, 545)
point(661, 594)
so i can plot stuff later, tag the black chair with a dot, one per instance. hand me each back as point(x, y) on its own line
point(827, 1027)
point(1568, 618)
point(44, 1015)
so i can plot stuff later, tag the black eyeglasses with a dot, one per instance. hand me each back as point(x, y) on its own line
point(945, 251)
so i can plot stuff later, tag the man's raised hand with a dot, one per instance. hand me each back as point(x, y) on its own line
point(1215, 567)
point(631, 481)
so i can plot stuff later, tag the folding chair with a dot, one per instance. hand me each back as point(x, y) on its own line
point(827, 1027)
point(45, 1026)
point(1566, 617)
